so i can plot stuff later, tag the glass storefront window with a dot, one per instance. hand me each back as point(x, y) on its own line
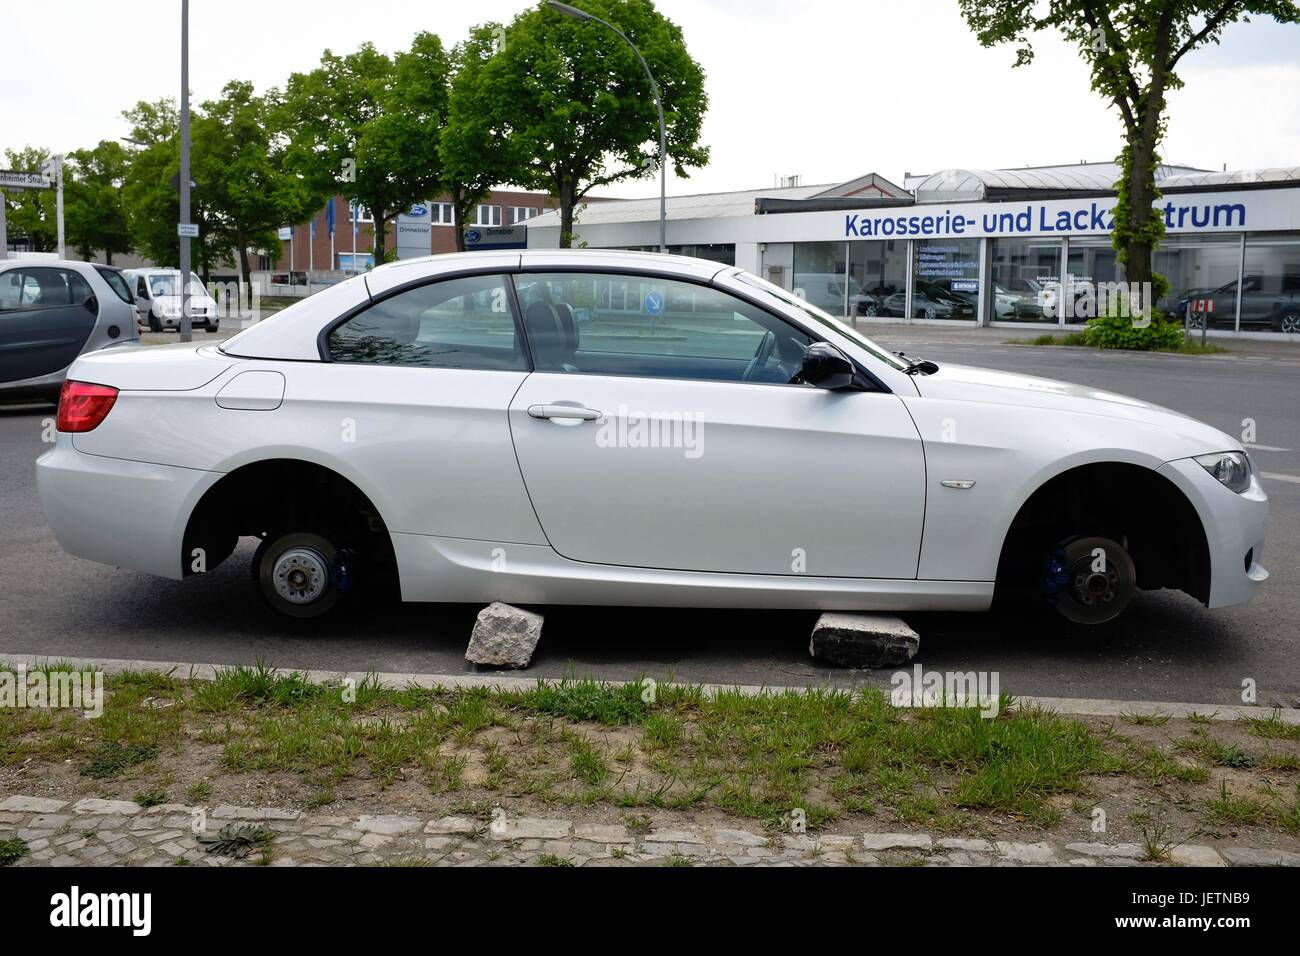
point(1270, 291)
point(877, 270)
point(1200, 267)
point(945, 280)
point(1026, 275)
point(819, 274)
point(1090, 262)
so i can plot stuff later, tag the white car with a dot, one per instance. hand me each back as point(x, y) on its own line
point(158, 298)
point(707, 439)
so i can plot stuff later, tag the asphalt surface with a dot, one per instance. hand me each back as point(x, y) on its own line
point(1166, 647)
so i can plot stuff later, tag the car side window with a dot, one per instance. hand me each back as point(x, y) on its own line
point(117, 283)
point(11, 291)
point(43, 288)
point(609, 324)
point(456, 323)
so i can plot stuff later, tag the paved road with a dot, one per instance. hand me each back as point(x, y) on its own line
point(1166, 648)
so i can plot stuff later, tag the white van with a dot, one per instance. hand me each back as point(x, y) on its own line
point(158, 300)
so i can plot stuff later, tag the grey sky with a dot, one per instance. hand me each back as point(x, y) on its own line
point(828, 89)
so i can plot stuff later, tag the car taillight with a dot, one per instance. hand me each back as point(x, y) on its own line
point(82, 406)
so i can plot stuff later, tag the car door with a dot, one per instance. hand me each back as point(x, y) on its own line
point(46, 315)
point(664, 433)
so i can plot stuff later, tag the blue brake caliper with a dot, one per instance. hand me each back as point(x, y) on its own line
point(342, 572)
point(1057, 578)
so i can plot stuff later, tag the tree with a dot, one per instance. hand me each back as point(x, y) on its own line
point(572, 97)
point(474, 157)
point(31, 213)
point(384, 115)
point(153, 203)
point(239, 162)
point(95, 213)
point(1133, 48)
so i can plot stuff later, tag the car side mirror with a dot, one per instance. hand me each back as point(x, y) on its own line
point(825, 366)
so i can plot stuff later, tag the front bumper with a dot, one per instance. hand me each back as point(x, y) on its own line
point(126, 513)
point(1234, 530)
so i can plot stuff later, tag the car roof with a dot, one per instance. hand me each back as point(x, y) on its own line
point(293, 333)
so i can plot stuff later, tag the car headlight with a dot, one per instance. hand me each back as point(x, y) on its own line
point(1231, 468)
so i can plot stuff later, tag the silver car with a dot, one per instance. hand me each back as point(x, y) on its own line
point(51, 311)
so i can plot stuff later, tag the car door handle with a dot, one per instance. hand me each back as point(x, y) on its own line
point(564, 411)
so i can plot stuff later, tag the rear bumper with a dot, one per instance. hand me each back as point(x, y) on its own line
point(1234, 530)
point(125, 513)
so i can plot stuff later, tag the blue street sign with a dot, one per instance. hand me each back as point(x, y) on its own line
point(654, 303)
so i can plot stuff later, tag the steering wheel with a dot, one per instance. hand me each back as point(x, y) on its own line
point(761, 355)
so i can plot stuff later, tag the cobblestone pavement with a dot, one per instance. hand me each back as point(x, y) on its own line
point(95, 832)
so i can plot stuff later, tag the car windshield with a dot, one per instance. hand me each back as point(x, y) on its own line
point(169, 284)
point(820, 317)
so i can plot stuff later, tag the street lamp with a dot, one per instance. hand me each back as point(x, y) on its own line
point(577, 14)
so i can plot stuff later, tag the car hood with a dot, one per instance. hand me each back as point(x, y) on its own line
point(968, 383)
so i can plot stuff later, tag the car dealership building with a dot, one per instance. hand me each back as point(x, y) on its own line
point(1013, 247)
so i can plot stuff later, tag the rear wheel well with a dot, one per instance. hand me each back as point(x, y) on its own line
point(1133, 505)
point(283, 495)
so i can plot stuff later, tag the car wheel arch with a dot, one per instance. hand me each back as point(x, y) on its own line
point(1137, 499)
point(238, 505)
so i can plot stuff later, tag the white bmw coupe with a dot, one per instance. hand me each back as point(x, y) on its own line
point(587, 427)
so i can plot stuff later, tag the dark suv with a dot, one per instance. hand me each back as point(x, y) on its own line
point(1267, 303)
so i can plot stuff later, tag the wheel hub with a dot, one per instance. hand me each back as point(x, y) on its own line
point(301, 575)
point(1095, 587)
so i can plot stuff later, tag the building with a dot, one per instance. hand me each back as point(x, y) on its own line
point(1016, 248)
point(424, 229)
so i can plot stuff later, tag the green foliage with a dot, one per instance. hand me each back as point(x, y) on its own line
point(1132, 49)
point(95, 214)
point(573, 98)
point(474, 158)
point(153, 205)
point(239, 162)
point(384, 113)
point(1119, 332)
point(30, 213)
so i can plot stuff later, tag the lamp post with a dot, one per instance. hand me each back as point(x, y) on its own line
point(185, 233)
point(577, 14)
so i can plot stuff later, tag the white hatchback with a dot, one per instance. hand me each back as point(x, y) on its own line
point(700, 438)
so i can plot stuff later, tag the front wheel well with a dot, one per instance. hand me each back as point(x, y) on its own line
point(282, 494)
point(1147, 512)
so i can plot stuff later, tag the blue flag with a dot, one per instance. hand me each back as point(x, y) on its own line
point(329, 215)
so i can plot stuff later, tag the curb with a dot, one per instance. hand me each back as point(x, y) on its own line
point(1072, 706)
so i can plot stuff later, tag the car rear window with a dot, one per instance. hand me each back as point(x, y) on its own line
point(117, 284)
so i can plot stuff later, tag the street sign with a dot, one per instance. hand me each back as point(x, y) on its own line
point(497, 237)
point(15, 180)
point(188, 230)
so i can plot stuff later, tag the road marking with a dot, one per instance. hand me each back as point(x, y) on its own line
point(1291, 478)
point(1064, 705)
point(1263, 447)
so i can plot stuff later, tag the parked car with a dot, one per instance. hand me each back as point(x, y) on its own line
point(159, 292)
point(51, 311)
point(929, 301)
point(1268, 303)
point(443, 425)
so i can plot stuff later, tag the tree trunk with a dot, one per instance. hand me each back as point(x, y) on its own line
point(108, 257)
point(1141, 194)
point(244, 284)
point(566, 213)
point(380, 232)
point(458, 210)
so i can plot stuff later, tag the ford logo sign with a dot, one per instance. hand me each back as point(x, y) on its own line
point(418, 211)
point(473, 236)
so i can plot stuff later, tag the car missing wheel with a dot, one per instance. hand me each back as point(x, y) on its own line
point(446, 427)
